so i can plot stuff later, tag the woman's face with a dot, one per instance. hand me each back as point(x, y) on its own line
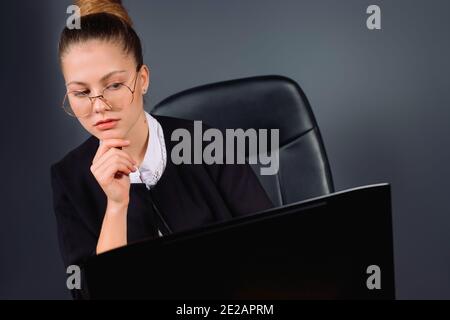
point(94, 65)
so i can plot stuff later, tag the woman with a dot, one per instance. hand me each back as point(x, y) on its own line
point(120, 185)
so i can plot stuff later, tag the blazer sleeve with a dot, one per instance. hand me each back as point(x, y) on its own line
point(240, 188)
point(76, 242)
point(239, 185)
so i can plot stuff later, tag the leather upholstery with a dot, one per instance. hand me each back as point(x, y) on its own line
point(264, 102)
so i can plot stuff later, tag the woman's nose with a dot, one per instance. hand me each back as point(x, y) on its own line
point(99, 104)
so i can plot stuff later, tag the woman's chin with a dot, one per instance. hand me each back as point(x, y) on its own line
point(110, 134)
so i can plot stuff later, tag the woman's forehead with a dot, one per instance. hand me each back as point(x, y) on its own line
point(92, 60)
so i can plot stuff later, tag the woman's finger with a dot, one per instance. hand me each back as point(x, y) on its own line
point(110, 172)
point(113, 152)
point(106, 167)
point(107, 144)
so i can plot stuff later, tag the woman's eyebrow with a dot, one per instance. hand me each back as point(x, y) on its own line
point(106, 76)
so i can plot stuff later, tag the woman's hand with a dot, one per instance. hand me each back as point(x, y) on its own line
point(111, 167)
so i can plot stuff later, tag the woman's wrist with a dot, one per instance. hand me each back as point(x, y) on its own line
point(114, 227)
point(115, 208)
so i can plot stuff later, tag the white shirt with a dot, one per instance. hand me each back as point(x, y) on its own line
point(155, 158)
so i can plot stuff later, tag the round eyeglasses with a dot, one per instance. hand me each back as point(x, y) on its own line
point(115, 96)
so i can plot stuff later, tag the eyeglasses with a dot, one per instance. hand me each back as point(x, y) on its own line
point(115, 96)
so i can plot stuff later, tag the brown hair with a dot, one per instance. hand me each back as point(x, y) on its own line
point(106, 20)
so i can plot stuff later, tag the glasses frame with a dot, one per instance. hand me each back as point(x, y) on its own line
point(101, 97)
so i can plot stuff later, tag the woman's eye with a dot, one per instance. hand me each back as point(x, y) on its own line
point(81, 94)
point(114, 86)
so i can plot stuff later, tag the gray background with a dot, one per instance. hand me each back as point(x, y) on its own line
point(380, 98)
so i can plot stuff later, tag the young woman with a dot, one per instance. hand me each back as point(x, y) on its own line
point(120, 185)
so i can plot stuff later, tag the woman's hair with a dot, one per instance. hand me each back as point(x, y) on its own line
point(105, 20)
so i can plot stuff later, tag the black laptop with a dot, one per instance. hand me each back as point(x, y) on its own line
point(337, 246)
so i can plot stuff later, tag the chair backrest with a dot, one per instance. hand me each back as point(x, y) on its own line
point(264, 102)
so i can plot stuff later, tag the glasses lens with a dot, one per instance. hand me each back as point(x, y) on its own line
point(118, 95)
point(77, 104)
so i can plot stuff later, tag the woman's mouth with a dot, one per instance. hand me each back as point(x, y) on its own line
point(107, 124)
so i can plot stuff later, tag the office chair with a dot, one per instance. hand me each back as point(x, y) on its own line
point(264, 102)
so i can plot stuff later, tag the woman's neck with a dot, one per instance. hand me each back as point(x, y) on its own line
point(138, 136)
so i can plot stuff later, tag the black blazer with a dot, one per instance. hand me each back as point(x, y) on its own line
point(187, 196)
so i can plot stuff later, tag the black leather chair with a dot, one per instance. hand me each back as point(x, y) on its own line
point(264, 102)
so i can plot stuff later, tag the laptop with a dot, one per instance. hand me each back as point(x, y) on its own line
point(337, 246)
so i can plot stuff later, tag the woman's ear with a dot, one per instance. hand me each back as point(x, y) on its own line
point(145, 78)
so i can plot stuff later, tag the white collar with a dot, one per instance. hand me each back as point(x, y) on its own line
point(155, 158)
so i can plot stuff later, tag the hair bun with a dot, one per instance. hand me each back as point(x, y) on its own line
point(113, 7)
